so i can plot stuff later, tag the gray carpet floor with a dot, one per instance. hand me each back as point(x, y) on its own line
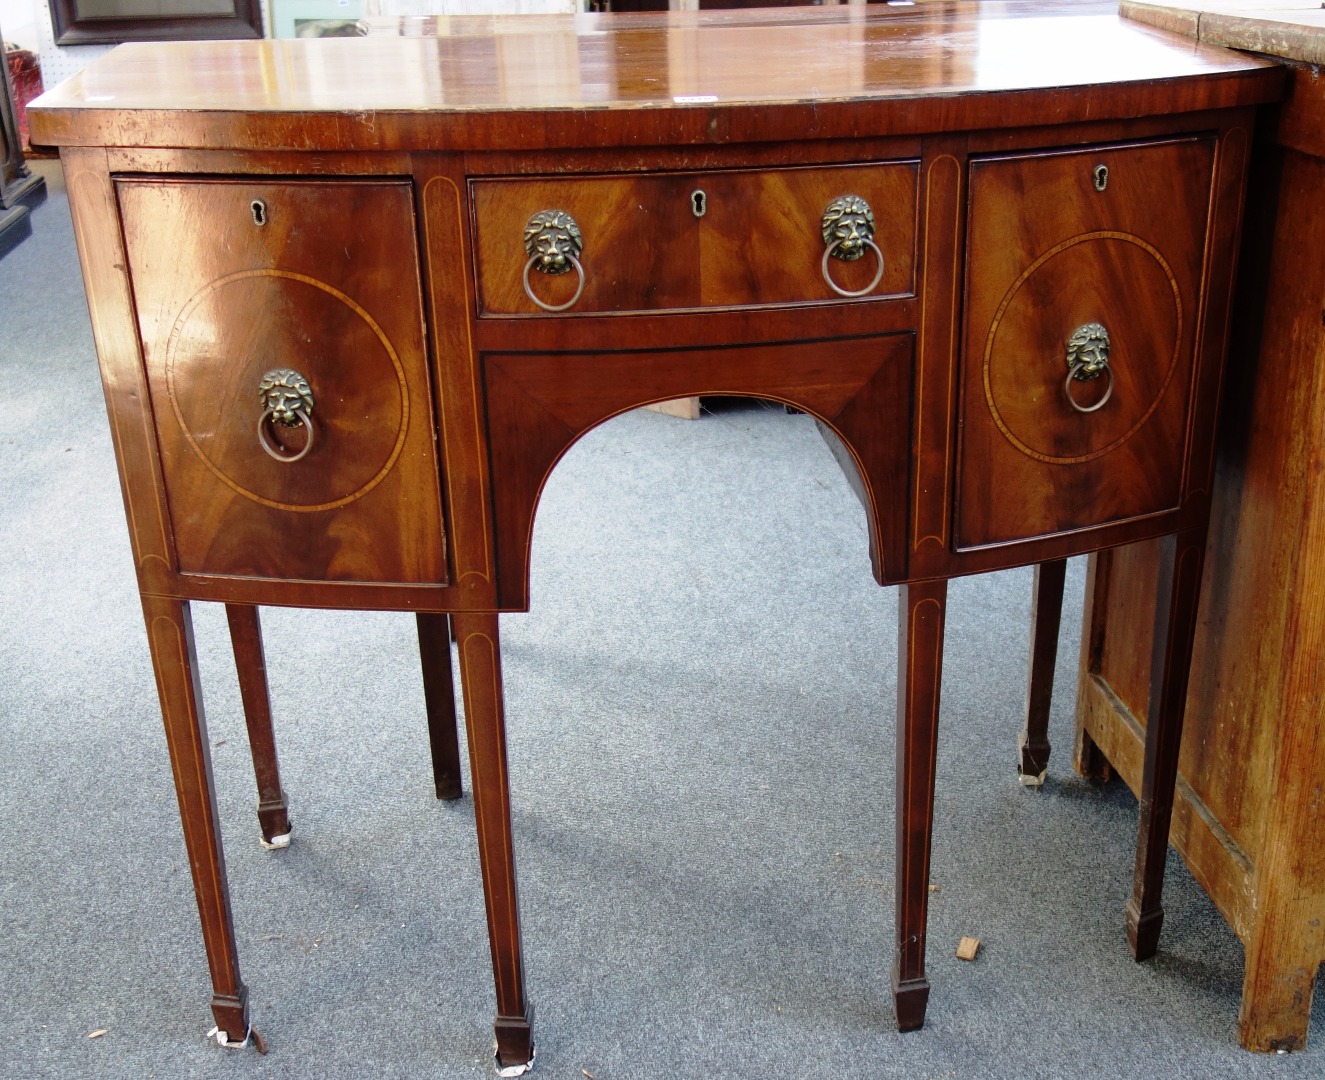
point(701, 727)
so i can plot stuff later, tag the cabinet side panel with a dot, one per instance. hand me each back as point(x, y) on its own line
point(110, 304)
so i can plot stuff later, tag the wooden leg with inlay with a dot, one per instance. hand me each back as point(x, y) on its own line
point(1179, 589)
point(435, 636)
point(920, 615)
point(246, 639)
point(1046, 613)
point(480, 676)
point(170, 635)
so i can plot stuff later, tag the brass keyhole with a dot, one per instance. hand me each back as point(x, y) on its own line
point(259, 210)
point(1101, 177)
point(699, 202)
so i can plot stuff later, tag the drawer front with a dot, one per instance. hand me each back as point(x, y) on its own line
point(1073, 257)
point(235, 279)
point(694, 240)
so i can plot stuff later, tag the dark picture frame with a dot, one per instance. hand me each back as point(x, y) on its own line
point(77, 27)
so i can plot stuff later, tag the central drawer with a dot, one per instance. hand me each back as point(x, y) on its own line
point(694, 240)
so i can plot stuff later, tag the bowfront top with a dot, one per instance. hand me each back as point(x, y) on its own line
point(680, 78)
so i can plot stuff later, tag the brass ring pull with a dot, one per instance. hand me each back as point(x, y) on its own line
point(1074, 375)
point(847, 227)
point(286, 399)
point(579, 289)
point(274, 451)
point(553, 242)
point(1087, 359)
point(829, 252)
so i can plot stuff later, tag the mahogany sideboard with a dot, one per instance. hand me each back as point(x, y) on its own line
point(353, 299)
point(1248, 817)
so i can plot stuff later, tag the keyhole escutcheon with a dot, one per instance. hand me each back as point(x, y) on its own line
point(699, 202)
point(1101, 177)
point(259, 211)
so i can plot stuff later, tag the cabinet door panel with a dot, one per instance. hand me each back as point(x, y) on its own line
point(234, 279)
point(1112, 238)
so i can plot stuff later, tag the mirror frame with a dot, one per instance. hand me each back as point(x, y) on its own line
point(71, 29)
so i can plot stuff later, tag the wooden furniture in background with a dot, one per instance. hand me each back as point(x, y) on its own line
point(427, 376)
point(1250, 814)
point(25, 83)
point(20, 188)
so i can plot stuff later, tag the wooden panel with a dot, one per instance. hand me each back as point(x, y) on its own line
point(123, 379)
point(938, 328)
point(757, 238)
point(1049, 253)
point(538, 405)
point(216, 314)
point(450, 289)
point(1288, 946)
point(1221, 866)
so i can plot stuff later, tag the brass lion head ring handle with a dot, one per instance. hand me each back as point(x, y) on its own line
point(1088, 359)
point(553, 243)
point(848, 231)
point(286, 400)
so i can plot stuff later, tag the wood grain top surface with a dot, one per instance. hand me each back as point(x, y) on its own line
point(1292, 29)
point(658, 79)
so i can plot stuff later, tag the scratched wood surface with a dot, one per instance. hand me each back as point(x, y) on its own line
point(1293, 29)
